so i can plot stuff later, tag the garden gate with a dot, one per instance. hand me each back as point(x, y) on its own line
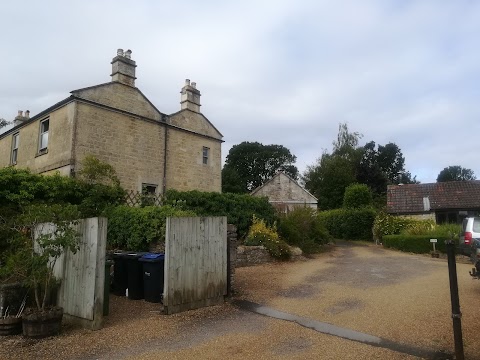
point(195, 263)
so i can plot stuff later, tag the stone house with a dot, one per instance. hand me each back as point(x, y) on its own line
point(444, 202)
point(150, 150)
point(285, 194)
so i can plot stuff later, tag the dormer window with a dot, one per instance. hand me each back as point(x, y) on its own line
point(43, 143)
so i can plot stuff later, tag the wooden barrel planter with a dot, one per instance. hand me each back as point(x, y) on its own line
point(42, 324)
point(11, 295)
point(10, 326)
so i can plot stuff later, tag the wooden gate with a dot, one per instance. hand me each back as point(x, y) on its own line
point(82, 275)
point(195, 263)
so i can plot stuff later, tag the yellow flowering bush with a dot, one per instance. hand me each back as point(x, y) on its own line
point(261, 234)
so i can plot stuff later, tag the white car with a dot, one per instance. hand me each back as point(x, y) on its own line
point(469, 242)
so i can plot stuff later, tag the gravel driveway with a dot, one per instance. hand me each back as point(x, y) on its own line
point(399, 297)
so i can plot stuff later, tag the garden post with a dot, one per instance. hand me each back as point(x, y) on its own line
point(456, 314)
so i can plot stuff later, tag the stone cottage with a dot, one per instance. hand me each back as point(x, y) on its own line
point(285, 194)
point(443, 202)
point(150, 150)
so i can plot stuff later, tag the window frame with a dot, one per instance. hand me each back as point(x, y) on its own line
point(205, 155)
point(148, 185)
point(40, 137)
point(14, 152)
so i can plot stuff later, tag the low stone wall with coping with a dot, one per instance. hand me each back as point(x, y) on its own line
point(256, 255)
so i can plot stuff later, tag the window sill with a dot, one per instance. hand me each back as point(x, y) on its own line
point(42, 152)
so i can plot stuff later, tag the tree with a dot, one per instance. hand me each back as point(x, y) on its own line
point(378, 168)
point(349, 163)
point(369, 171)
point(94, 171)
point(357, 196)
point(231, 181)
point(346, 145)
point(4, 123)
point(332, 173)
point(391, 161)
point(328, 179)
point(49, 231)
point(455, 173)
point(250, 164)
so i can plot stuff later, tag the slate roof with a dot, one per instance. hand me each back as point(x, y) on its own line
point(408, 199)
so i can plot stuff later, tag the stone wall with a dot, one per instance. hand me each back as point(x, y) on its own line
point(120, 96)
point(429, 216)
point(252, 255)
point(285, 193)
point(185, 167)
point(58, 154)
point(133, 146)
point(256, 255)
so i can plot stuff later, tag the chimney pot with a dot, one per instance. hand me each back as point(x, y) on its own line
point(27, 114)
point(190, 97)
point(123, 68)
point(20, 113)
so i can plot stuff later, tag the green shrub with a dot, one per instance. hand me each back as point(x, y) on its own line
point(386, 224)
point(419, 227)
point(19, 188)
point(357, 196)
point(414, 243)
point(133, 229)
point(239, 208)
point(350, 224)
point(301, 227)
point(451, 231)
point(261, 234)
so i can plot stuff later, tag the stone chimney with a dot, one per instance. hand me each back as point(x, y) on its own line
point(20, 119)
point(123, 68)
point(190, 98)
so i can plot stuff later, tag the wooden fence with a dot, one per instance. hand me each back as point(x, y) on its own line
point(195, 263)
point(82, 275)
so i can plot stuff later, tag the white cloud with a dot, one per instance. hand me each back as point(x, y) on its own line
point(284, 72)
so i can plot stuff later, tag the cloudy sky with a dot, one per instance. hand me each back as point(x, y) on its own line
point(277, 72)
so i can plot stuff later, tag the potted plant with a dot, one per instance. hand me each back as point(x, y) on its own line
point(13, 294)
point(50, 231)
point(12, 302)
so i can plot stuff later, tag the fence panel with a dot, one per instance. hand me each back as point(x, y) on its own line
point(82, 275)
point(195, 263)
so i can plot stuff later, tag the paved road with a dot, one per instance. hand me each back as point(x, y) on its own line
point(399, 298)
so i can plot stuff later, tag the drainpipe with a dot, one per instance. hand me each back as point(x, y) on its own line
point(164, 190)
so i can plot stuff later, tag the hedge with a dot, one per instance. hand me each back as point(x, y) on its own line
point(386, 224)
point(418, 244)
point(349, 224)
point(19, 187)
point(133, 229)
point(239, 208)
